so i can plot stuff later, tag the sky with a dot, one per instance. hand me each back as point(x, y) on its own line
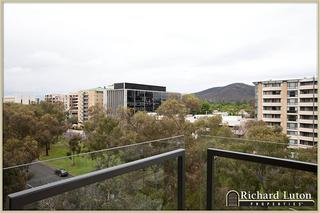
point(61, 48)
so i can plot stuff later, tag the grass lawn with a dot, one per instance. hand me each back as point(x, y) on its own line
point(82, 165)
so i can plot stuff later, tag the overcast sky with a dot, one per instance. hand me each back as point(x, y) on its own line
point(60, 48)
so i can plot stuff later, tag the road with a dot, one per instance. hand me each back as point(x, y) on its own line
point(42, 174)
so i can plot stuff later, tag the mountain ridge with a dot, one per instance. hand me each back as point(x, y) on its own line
point(235, 92)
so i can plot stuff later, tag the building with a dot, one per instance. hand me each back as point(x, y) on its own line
point(21, 99)
point(236, 123)
point(57, 98)
point(291, 104)
point(87, 99)
point(72, 104)
point(139, 97)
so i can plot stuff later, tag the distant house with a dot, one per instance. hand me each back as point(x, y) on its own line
point(236, 123)
point(72, 132)
point(244, 113)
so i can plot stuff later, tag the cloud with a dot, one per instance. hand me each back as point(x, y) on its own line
point(186, 47)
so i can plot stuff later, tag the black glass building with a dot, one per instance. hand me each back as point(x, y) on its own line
point(139, 97)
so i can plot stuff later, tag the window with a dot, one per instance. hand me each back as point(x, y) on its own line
point(309, 91)
point(149, 101)
point(310, 126)
point(308, 134)
point(308, 83)
point(308, 100)
point(292, 126)
point(292, 101)
point(272, 100)
point(271, 115)
point(293, 141)
point(292, 117)
point(292, 85)
point(308, 117)
point(310, 108)
point(292, 110)
point(273, 108)
point(276, 92)
point(292, 93)
point(292, 133)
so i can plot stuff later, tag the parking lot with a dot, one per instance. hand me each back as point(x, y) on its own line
point(43, 174)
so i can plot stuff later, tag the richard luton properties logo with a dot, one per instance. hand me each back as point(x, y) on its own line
point(278, 198)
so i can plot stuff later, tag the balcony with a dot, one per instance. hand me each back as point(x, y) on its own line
point(292, 103)
point(309, 95)
point(307, 121)
point(271, 112)
point(272, 96)
point(308, 112)
point(271, 88)
point(302, 87)
point(292, 111)
point(157, 169)
point(296, 137)
point(301, 129)
point(20, 199)
point(305, 138)
point(271, 103)
point(271, 119)
point(308, 104)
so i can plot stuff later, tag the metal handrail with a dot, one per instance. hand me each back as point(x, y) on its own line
point(281, 162)
point(19, 199)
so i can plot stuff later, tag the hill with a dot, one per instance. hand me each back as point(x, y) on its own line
point(237, 92)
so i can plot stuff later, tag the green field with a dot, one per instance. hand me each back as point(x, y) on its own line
point(83, 164)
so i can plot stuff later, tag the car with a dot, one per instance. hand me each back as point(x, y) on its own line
point(61, 173)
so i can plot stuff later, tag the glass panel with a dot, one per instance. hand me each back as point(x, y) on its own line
point(52, 170)
point(156, 99)
point(130, 98)
point(151, 188)
point(149, 101)
point(139, 100)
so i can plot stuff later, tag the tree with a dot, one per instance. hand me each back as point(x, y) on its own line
point(16, 152)
point(192, 103)
point(26, 128)
point(172, 108)
point(74, 146)
point(48, 131)
point(205, 107)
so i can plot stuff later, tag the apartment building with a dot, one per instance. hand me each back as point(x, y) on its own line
point(87, 99)
point(139, 97)
point(57, 98)
point(21, 99)
point(291, 104)
point(72, 104)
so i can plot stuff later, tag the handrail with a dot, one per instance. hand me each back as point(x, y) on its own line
point(19, 199)
point(281, 162)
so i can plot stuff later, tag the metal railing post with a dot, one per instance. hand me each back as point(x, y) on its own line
point(209, 179)
point(181, 182)
point(267, 160)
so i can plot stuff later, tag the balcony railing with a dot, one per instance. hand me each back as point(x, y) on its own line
point(137, 180)
point(280, 162)
point(19, 199)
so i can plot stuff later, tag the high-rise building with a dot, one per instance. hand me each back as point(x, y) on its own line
point(291, 104)
point(139, 97)
point(72, 104)
point(87, 99)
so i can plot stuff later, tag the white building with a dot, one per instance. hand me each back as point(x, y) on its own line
point(21, 99)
